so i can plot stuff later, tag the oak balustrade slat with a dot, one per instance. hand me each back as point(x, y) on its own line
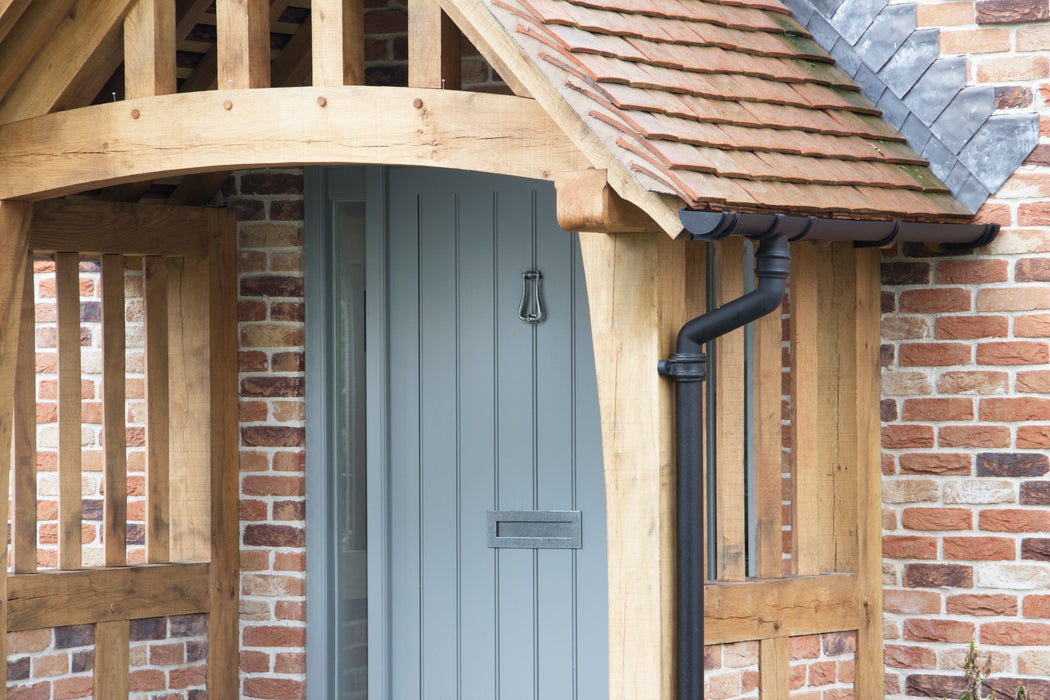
point(67, 291)
point(114, 425)
point(157, 437)
point(23, 535)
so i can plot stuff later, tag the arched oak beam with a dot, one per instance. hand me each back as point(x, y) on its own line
point(154, 137)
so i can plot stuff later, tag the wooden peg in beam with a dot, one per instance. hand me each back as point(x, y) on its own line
point(586, 202)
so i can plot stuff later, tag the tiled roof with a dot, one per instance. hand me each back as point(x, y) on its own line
point(727, 104)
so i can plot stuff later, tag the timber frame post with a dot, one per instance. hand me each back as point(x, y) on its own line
point(641, 289)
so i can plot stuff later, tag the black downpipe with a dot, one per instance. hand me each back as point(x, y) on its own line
point(688, 369)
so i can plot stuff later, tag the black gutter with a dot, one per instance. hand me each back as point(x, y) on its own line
point(687, 367)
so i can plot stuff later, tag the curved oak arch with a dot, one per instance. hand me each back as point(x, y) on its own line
point(109, 144)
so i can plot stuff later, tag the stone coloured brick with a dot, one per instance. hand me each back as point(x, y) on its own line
point(931, 519)
point(978, 492)
point(975, 382)
point(932, 630)
point(979, 549)
point(938, 575)
point(1033, 214)
point(906, 328)
point(906, 656)
point(986, 436)
point(905, 383)
point(981, 605)
point(911, 602)
point(938, 463)
point(1016, 577)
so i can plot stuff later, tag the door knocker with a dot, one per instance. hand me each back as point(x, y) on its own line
point(530, 309)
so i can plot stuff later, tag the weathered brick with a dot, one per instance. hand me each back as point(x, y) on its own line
point(1012, 464)
point(1008, 633)
point(938, 575)
point(274, 636)
point(1017, 352)
point(934, 354)
point(1009, 11)
point(978, 492)
point(906, 656)
point(906, 547)
point(274, 536)
point(931, 519)
point(270, 236)
point(267, 182)
point(888, 410)
point(911, 602)
point(982, 605)
point(1013, 96)
point(979, 549)
point(272, 286)
point(935, 301)
point(1033, 382)
point(272, 335)
point(935, 463)
point(1015, 577)
point(1036, 606)
point(893, 273)
point(945, 14)
point(909, 490)
point(289, 362)
point(1032, 270)
point(905, 383)
point(1014, 520)
point(906, 436)
point(265, 485)
point(1035, 493)
point(286, 210)
point(252, 361)
point(150, 628)
point(74, 636)
point(935, 686)
point(1032, 326)
point(937, 409)
point(968, 327)
point(1013, 68)
point(971, 271)
point(272, 436)
point(933, 630)
point(271, 386)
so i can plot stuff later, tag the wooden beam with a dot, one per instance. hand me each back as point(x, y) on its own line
point(105, 144)
point(197, 189)
point(114, 404)
point(10, 12)
point(641, 288)
point(60, 598)
point(434, 53)
point(223, 620)
point(155, 273)
point(788, 607)
point(870, 669)
point(509, 59)
point(769, 557)
point(111, 660)
point(338, 30)
point(100, 228)
point(243, 43)
point(67, 291)
point(586, 202)
point(774, 682)
point(61, 63)
point(806, 525)
point(149, 49)
point(728, 373)
point(14, 257)
point(23, 522)
point(187, 14)
point(33, 29)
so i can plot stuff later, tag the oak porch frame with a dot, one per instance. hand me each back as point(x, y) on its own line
point(641, 288)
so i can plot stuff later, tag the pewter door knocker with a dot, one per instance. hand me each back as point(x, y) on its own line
point(530, 309)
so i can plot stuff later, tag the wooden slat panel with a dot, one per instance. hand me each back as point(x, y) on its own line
point(157, 444)
point(33, 29)
point(806, 526)
point(338, 42)
point(149, 49)
point(189, 410)
point(60, 598)
point(433, 47)
point(14, 255)
point(773, 668)
point(67, 289)
point(836, 406)
point(769, 558)
point(731, 529)
point(787, 607)
point(115, 475)
point(243, 43)
point(98, 228)
point(870, 669)
point(10, 12)
point(223, 637)
point(23, 524)
point(112, 662)
point(58, 66)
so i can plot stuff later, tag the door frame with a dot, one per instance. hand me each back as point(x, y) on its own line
point(325, 187)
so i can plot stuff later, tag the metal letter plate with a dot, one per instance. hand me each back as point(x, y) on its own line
point(535, 529)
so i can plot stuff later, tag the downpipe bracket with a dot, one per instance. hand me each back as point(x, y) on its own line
point(684, 367)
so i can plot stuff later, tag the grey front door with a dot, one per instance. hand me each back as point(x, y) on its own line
point(484, 412)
